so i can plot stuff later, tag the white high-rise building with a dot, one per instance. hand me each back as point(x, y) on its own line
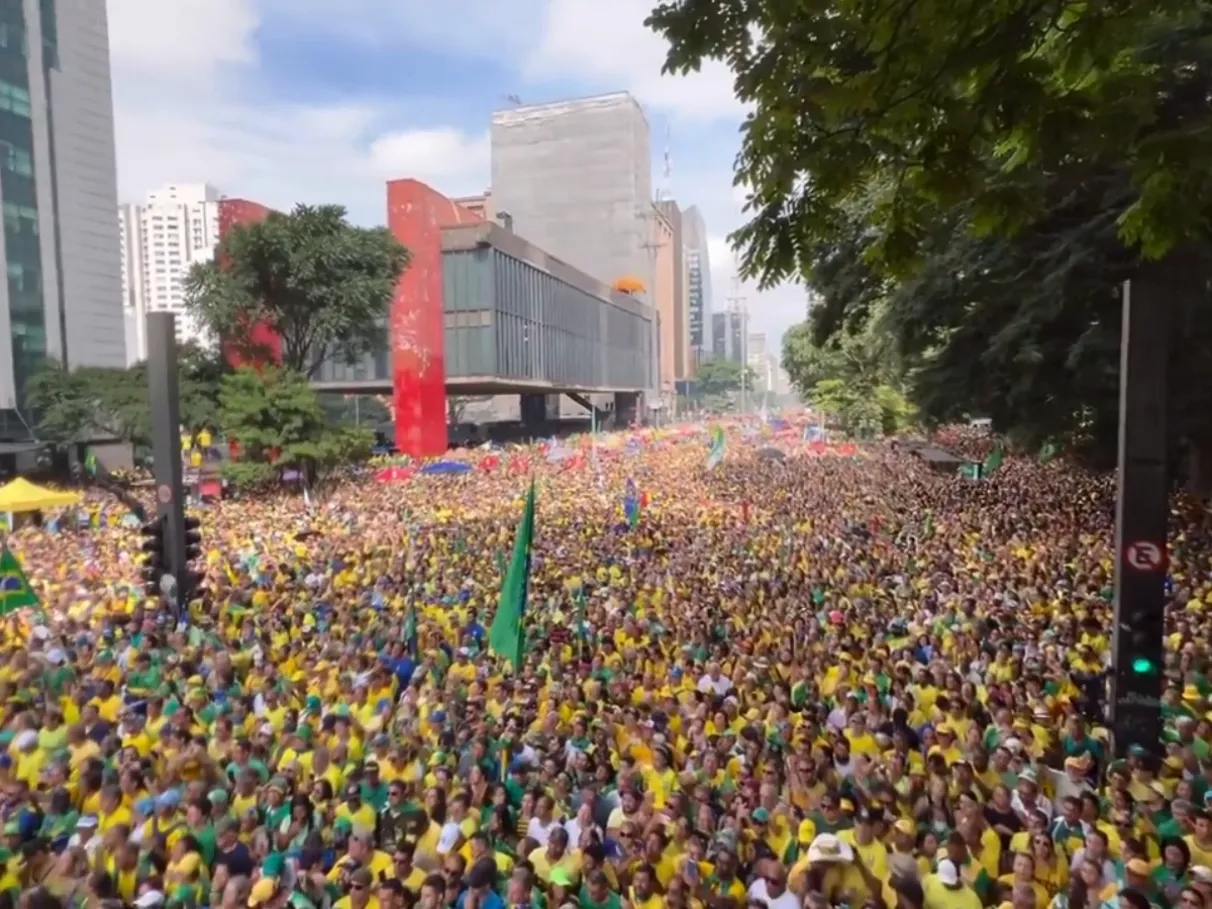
point(176, 227)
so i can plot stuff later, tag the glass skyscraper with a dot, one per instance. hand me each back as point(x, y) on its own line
point(62, 295)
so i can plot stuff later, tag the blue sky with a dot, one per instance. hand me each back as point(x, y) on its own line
point(288, 101)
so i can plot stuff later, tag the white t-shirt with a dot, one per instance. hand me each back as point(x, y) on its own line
point(539, 832)
point(719, 686)
point(785, 900)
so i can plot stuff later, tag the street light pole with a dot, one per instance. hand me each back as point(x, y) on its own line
point(737, 308)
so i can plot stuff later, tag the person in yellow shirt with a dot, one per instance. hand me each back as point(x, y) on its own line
point(643, 894)
point(113, 810)
point(861, 838)
point(362, 853)
point(360, 894)
point(555, 854)
point(946, 890)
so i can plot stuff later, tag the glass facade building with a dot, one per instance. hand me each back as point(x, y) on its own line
point(509, 320)
point(22, 242)
point(62, 293)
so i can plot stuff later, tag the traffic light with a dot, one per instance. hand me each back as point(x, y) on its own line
point(193, 539)
point(155, 564)
point(1143, 666)
point(191, 580)
point(1139, 659)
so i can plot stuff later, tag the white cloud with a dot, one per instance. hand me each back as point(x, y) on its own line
point(184, 117)
point(608, 44)
point(186, 71)
point(444, 154)
point(210, 33)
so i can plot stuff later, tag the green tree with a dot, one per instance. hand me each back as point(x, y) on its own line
point(88, 403)
point(200, 373)
point(982, 178)
point(831, 397)
point(93, 402)
point(718, 376)
point(278, 421)
point(322, 285)
point(806, 361)
point(884, 114)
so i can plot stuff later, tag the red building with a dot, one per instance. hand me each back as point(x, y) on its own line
point(416, 214)
point(236, 213)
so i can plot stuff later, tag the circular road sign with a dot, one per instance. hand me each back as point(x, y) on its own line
point(164, 494)
point(1144, 555)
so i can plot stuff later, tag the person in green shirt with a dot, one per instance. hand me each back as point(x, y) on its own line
point(198, 825)
point(596, 893)
point(144, 680)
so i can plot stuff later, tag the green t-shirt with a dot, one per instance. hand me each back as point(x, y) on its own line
point(612, 900)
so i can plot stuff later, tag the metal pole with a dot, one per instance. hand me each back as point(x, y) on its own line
point(1142, 512)
point(166, 438)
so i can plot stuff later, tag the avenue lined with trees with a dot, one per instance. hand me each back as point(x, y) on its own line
point(970, 183)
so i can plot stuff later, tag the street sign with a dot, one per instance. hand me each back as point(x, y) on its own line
point(1144, 555)
point(164, 494)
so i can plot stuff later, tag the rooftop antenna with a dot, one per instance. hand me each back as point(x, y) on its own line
point(665, 190)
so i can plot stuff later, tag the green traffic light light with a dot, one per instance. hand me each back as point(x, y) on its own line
point(1142, 666)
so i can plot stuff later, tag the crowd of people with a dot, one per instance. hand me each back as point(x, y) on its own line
point(810, 681)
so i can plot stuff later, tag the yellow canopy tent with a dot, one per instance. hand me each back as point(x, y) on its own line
point(22, 495)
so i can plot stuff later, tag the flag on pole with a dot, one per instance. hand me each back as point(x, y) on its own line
point(631, 504)
point(993, 462)
point(716, 453)
point(506, 636)
point(410, 630)
point(15, 592)
point(90, 463)
point(1047, 452)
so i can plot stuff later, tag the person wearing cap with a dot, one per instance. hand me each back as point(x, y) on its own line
point(945, 889)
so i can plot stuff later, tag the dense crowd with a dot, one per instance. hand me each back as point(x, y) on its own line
point(816, 682)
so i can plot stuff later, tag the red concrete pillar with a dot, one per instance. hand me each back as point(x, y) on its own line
point(416, 214)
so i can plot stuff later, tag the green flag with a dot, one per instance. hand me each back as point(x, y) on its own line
point(993, 462)
point(506, 637)
point(90, 463)
point(409, 632)
point(1047, 452)
point(15, 592)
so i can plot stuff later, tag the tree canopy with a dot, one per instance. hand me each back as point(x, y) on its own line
point(973, 181)
point(90, 402)
point(719, 376)
point(278, 422)
point(853, 379)
point(321, 284)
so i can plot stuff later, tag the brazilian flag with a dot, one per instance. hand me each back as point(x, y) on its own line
point(15, 592)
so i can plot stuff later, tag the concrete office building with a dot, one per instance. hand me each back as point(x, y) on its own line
point(679, 329)
point(174, 228)
point(663, 295)
point(58, 185)
point(699, 320)
point(575, 178)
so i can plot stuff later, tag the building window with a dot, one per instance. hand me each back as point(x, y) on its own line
point(15, 100)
